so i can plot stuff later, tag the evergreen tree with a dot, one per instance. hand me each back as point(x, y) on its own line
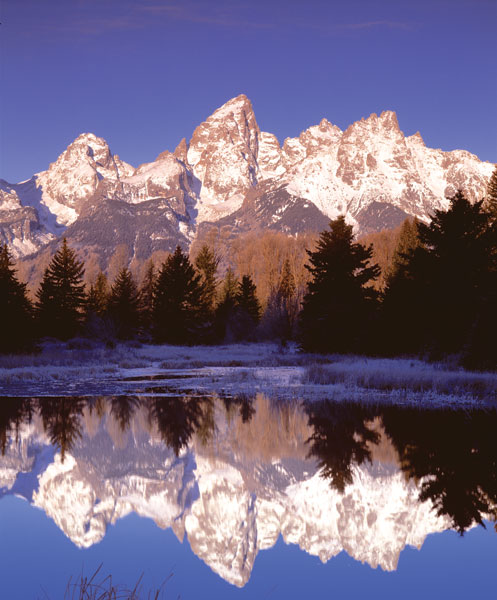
point(61, 296)
point(449, 280)
point(207, 264)
point(339, 303)
point(246, 299)
point(491, 197)
point(247, 309)
point(282, 308)
point(98, 297)
point(177, 308)
point(123, 308)
point(408, 242)
point(15, 308)
point(224, 314)
point(401, 331)
point(147, 296)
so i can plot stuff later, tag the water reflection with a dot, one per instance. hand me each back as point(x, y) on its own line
point(235, 473)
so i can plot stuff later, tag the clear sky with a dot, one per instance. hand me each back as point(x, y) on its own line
point(144, 73)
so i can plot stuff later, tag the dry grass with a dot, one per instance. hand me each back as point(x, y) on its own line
point(96, 588)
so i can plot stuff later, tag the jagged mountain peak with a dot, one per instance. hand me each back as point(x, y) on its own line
point(181, 151)
point(368, 170)
point(236, 105)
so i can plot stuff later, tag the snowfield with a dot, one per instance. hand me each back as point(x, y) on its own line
point(80, 368)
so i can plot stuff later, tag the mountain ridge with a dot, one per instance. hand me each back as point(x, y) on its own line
point(370, 172)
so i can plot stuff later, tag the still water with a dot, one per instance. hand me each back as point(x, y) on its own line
point(247, 497)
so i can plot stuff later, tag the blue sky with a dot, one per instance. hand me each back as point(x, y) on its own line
point(144, 73)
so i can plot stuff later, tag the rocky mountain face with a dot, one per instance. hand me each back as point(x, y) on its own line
point(231, 504)
point(233, 175)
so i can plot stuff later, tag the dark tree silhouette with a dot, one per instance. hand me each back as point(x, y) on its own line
point(340, 303)
point(124, 305)
point(16, 323)
point(280, 317)
point(448, 281)
point(14, 412)
point(247, 312)
point(62, 421)
point(224, 314)
point(61, 296)
point(454, 454)
point(207, 263)
point(147, 296)
point(177, 308)
point(122, 408)
point(177, 419)
point(340, 439)
point(98, 297)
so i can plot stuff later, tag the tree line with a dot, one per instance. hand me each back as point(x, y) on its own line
point(439, 295)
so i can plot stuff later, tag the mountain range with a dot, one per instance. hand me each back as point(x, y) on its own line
point(235, 177)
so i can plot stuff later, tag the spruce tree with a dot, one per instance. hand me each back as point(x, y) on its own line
point(16, 325)
point(282, 308)
point(247, 309)
point(98, 297)
point(207, 264)
point(177, 309)
point(124, 305)
point(459, 258)
point(147, 296)
point(61, 296)
point(400, 330)
point(224, 314)
point(448, 281)
point(339, 303)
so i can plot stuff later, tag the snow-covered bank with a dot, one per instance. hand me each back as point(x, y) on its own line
point(78, 368)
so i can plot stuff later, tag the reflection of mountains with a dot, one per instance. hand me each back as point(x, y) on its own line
point(234, 474)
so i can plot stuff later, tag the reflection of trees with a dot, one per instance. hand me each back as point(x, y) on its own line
point(62, 420)
point(122, 408)
point(13, 413)
point(452, 453)
point(340, 439)
point(177, 419)
point(244, 403)
point(456, 453)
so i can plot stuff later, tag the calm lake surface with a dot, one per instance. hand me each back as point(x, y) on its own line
point(247, 497)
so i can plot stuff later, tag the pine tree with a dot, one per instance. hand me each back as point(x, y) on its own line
point(98, 297)
point(490, 202)
point(339, 303)
point(400, 330)
point(207, 264)
point(248, 308)
point(224, 314)
point(407, 243)
point(177, 306)
point(123, 307)
point(447, 281)
point(61, 296)
point(16, 325)
point(282, 308)
point(147, 296)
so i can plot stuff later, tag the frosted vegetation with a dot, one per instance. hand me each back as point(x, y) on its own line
point(280, 372)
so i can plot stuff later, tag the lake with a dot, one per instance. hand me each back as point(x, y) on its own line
point(245, 496)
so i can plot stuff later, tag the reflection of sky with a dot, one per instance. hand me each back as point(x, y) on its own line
point(35, 556)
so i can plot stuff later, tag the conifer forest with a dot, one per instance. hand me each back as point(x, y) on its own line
point(425, 289)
